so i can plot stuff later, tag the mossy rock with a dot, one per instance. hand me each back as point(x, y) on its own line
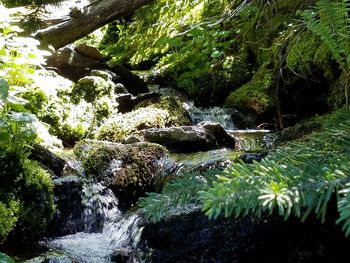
point(71, 112)
point(164, 112)
point(178, 115)
point(254, 96)
point(9, 213)
point(37, 200)
point(130, 170)
point(121, 126)
point(26, 199)
point(300, 130)
point(92, 88)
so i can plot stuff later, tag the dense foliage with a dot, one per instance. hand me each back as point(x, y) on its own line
point(186, 42)
point(330, 21)
point(26, 190)
point(254, 56)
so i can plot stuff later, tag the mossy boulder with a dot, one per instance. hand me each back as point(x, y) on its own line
point(71, 112)
point(130, 170)
point(166, 112)
point(37, 199)
point(92, 88)
point(26, 199)
point(202, 137)
point(178, 115)
point(254, 96)
point(9, 212)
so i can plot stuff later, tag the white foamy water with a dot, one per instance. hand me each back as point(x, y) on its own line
point(100, 214)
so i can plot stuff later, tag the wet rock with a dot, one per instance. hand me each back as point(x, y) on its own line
point(250, 157)
point(131, 139)
point(51, 257)
point(68, 200)
point(63, 164)
point(222, 137)
point(127, 102)
point(133, 83)
point(121, 255)
point(50, 160)
point(202, 137)
point(119, 88)
point(130, 170)
point(189, 236)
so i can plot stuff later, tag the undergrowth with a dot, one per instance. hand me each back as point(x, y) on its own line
point(298, 179)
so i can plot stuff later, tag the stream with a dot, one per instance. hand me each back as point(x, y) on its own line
point(104, 229)
point(116, 230)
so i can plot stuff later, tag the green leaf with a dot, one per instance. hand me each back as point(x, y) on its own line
point(23, 117)
point(5, 258)
point(217, 54)
point(4, 90)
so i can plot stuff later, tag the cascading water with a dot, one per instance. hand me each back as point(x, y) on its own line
point(105, 228)
point(214, 114)
point(106, 231)
point(247, 140)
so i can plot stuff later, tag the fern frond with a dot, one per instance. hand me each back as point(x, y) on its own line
point(296, 180)
point(330, 21)
point(175, 195)
point(344, 209)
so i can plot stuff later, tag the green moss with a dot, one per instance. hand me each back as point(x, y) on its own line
point(37, 99)
point(137, 162)
point(307, 52)
point(165, 112)
point(91, 88)
point(26, 198)
point(178, 115)
point(71, 112)
point(37, 199)
point(253, 96)
point(301, 130)
point(118, 128)
point(8, 218)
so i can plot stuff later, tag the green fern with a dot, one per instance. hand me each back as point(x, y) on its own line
point(344, 208)
point(330, 20)
point(175, 195)
point(298, 180)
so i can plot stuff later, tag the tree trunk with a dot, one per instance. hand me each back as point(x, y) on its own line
point(82, 22)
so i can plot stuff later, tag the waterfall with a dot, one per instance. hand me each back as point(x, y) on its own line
point(214, 114)
point(105, 228)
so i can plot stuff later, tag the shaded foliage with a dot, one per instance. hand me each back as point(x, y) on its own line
point(298, 179)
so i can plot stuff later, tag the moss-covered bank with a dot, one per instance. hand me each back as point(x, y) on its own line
point(26, 199)
point(261, 57)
